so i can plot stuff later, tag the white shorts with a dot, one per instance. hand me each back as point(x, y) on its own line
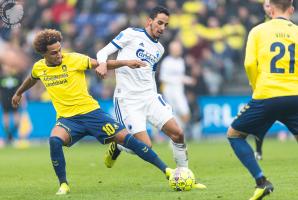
point(178, 101)
point(134, 113)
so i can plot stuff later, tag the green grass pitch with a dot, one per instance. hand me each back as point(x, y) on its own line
point(28, 175)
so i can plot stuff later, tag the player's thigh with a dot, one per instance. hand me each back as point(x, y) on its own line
point(252, 119)
point(70, 130)
point(158, 111)
point(61, 133)
point(232, 133)
point(131, 113)
point(291, 122)
point(101, 125)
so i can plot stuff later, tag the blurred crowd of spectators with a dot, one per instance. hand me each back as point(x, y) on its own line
point(213, 33)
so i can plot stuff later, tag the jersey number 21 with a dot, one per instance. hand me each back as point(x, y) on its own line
point(282, 51)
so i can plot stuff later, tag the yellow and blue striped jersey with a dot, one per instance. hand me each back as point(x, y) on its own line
point(271, 59)
point(66, 84)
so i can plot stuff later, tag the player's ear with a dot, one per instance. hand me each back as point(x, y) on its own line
point(148, 21)
point(291, 10)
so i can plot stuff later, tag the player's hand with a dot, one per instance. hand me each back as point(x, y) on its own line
point(15, 101)
point(102, 70)
point(135, 64)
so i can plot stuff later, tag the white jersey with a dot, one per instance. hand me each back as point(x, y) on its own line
point(135, 43)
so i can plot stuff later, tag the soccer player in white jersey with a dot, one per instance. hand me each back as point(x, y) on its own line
point(136, 99)
point(173, 78)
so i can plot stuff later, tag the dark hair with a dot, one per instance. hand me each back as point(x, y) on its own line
point(282, 4)
point(45, 38)
point(157, 10)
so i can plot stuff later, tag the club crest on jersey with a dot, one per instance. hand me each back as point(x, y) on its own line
point(145, 56)
point(64, 68)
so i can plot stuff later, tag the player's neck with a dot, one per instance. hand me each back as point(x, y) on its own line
point(149, 33)
point(281, 16)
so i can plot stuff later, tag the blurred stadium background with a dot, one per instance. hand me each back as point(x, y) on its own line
point(213, 34)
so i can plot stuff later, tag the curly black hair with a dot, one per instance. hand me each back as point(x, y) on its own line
point(44, 38)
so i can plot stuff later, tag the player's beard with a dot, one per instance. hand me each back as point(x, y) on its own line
point(152, 31)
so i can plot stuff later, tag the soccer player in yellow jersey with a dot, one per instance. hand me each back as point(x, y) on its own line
point(78, 114)
point(272, 68)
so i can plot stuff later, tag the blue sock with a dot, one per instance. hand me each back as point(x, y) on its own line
point(246, 155)
point(143, 151)
point(58, 159)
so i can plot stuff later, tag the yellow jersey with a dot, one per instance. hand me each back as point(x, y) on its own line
point(66, 84)
point(271, 59)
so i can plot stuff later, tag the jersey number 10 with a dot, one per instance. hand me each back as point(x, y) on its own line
point(282, 51)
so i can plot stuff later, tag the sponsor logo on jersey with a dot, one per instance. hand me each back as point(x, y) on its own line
point(145, 56)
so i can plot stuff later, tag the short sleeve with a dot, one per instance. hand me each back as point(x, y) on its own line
point(123, 38)
point(34, 72)
point(83, 61)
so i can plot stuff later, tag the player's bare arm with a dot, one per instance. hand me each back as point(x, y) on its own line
point(113, 64)
point(26, 85)
point(102, 68)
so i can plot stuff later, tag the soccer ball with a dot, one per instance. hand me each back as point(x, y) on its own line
point(182, 179)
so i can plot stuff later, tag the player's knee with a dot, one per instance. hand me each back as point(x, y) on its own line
point(149, 144)
point(232, 133)
point(177, 136)
point(120, 137)
point(55, 142)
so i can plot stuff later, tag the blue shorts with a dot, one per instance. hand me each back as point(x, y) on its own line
point(96, 123)
point(259, 115)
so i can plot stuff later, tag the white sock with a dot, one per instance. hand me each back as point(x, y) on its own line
point(180, 154)
point(122, 148)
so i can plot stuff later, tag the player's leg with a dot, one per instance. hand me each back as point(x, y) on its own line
point(140, 148)
point(245, 154)
point(59, 137)
point(171, 129)
point(66, 133)
point(131, 114)
point(142, 136)
point(252, 119)
point(111, 130)
point(160, 115)
point(259, 144)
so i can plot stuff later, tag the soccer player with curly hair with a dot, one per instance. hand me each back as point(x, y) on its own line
point(78, 114)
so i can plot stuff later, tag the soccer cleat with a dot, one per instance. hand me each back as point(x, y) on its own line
point(258, 156)
point(168, 172)
point(262, 190)
point(63, 190)
point(198, 185)
point(110, 157)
